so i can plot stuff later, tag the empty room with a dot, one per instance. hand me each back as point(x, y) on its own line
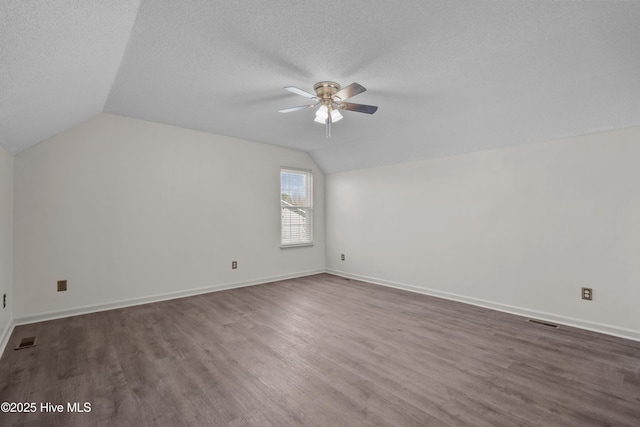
point(337, 213)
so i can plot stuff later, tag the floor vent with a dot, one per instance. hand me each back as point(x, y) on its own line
point(26, 343)
point(542, 322)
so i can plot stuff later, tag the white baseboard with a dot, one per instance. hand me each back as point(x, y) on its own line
point(519, 311)
point(4, 336)
point(51, 315)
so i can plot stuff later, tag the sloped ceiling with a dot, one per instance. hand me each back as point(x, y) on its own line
point(449, 76)
point(58, 60)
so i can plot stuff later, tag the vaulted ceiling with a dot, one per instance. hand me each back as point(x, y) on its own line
point(448, 76)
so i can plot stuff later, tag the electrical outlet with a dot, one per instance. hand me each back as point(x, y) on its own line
point(341, 257)
point(62, 285)
point(234, 264)
point(587, 293)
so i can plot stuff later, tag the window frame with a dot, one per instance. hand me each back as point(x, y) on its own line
point(309, 208)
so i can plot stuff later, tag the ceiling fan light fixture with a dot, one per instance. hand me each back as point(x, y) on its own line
point(335, 115)
point(320, 120)
point(322, 113)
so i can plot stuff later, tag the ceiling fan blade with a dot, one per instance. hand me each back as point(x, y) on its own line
point(347, 92)
point(360, 108)
point(300, 92)
point(292, 109)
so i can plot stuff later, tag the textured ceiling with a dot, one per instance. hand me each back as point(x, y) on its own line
point(58, 60)
point(449, 76)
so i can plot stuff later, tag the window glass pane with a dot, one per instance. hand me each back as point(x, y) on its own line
point(294, 188)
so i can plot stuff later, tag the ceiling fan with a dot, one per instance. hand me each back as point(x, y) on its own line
point(331, 98)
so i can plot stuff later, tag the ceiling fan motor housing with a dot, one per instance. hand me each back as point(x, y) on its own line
point(326, 90)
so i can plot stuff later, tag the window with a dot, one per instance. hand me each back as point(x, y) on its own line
point(296, 205)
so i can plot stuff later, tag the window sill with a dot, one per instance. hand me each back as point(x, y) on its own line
point(297, 245)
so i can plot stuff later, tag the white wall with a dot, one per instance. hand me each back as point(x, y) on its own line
point(519, 229)
point(6, 233)
point(128, 210)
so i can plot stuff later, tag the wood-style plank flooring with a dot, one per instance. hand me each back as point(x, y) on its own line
point(319, 351)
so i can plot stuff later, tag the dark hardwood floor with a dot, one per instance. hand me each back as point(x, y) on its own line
point(319, 351)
